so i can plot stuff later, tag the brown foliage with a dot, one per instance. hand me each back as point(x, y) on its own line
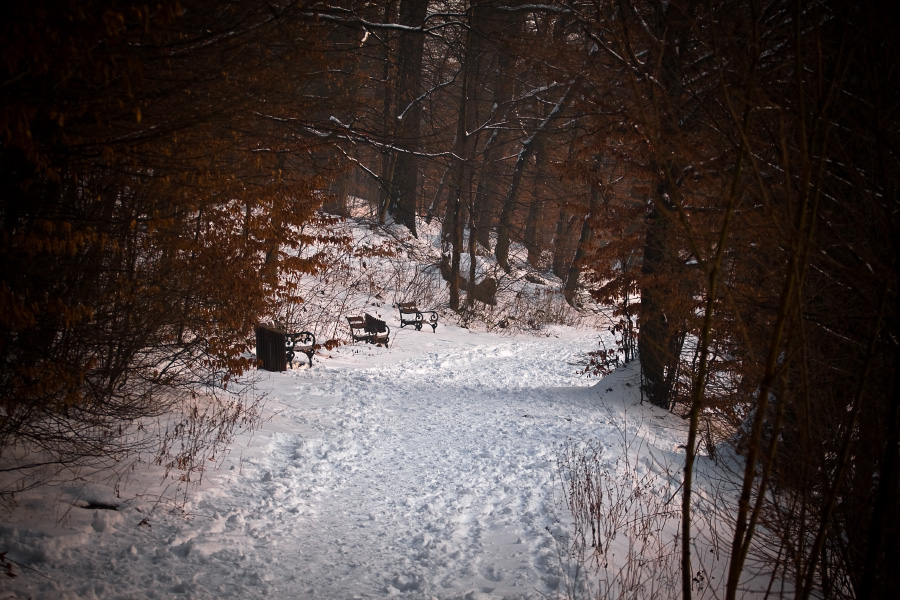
point(154, 164)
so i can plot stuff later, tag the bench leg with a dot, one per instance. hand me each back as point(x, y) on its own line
point(290, 357)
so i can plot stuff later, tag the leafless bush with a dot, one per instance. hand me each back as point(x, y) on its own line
point(626, 514)
point(362, 267)
point(623, 523)
point(180, 426)
point(204, 425)
point(533, 308)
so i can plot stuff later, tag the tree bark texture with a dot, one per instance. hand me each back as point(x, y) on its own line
point(405, 182)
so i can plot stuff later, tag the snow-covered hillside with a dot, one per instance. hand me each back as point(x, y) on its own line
point(386, 265)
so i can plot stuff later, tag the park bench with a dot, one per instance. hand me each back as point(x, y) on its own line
point(411, 315)
point(302, 342)
point(369, 329)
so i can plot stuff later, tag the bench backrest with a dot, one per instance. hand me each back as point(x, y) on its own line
point(301, 339)
point(408, 307)
point(374, 325)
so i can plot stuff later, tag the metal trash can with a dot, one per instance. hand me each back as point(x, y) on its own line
point(270, 348)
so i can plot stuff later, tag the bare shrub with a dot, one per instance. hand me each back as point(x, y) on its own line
point(623, 522)
point(625, 511)
point(181, 428)
point(360, 267)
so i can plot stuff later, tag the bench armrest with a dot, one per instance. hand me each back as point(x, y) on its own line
point(301, 341)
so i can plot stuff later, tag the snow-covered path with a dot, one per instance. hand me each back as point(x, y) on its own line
point(430, 477)
point(427, 470)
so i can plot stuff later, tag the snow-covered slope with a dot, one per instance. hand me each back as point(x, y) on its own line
point(424, 470)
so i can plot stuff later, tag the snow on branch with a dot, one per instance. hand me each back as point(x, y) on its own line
point(546, 8)
point(354, 135)
point(425, 94)
point(348, 17)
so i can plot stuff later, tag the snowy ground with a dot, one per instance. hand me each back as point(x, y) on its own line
point(425, 470)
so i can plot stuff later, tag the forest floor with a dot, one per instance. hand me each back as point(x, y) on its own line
point(439, 467)
point(426, 469)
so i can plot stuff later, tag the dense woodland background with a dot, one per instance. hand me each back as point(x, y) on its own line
point(724, 173)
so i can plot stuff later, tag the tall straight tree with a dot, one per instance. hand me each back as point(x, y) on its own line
point(662, 319)
point(472, 56)
point(503, 29)
point(404, 187)
point(388, 90)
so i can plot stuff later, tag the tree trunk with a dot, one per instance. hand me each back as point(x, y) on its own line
point(502, 74)
point(436, 200)
point(388, 103)
point(657, 317)
point(405, 180)
point(510, 203)
point(532, 239)
point(654, 340)
point(464, 148)
point(486, 192)
point(587, 235)
point(473, 244)
point(562, 255)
